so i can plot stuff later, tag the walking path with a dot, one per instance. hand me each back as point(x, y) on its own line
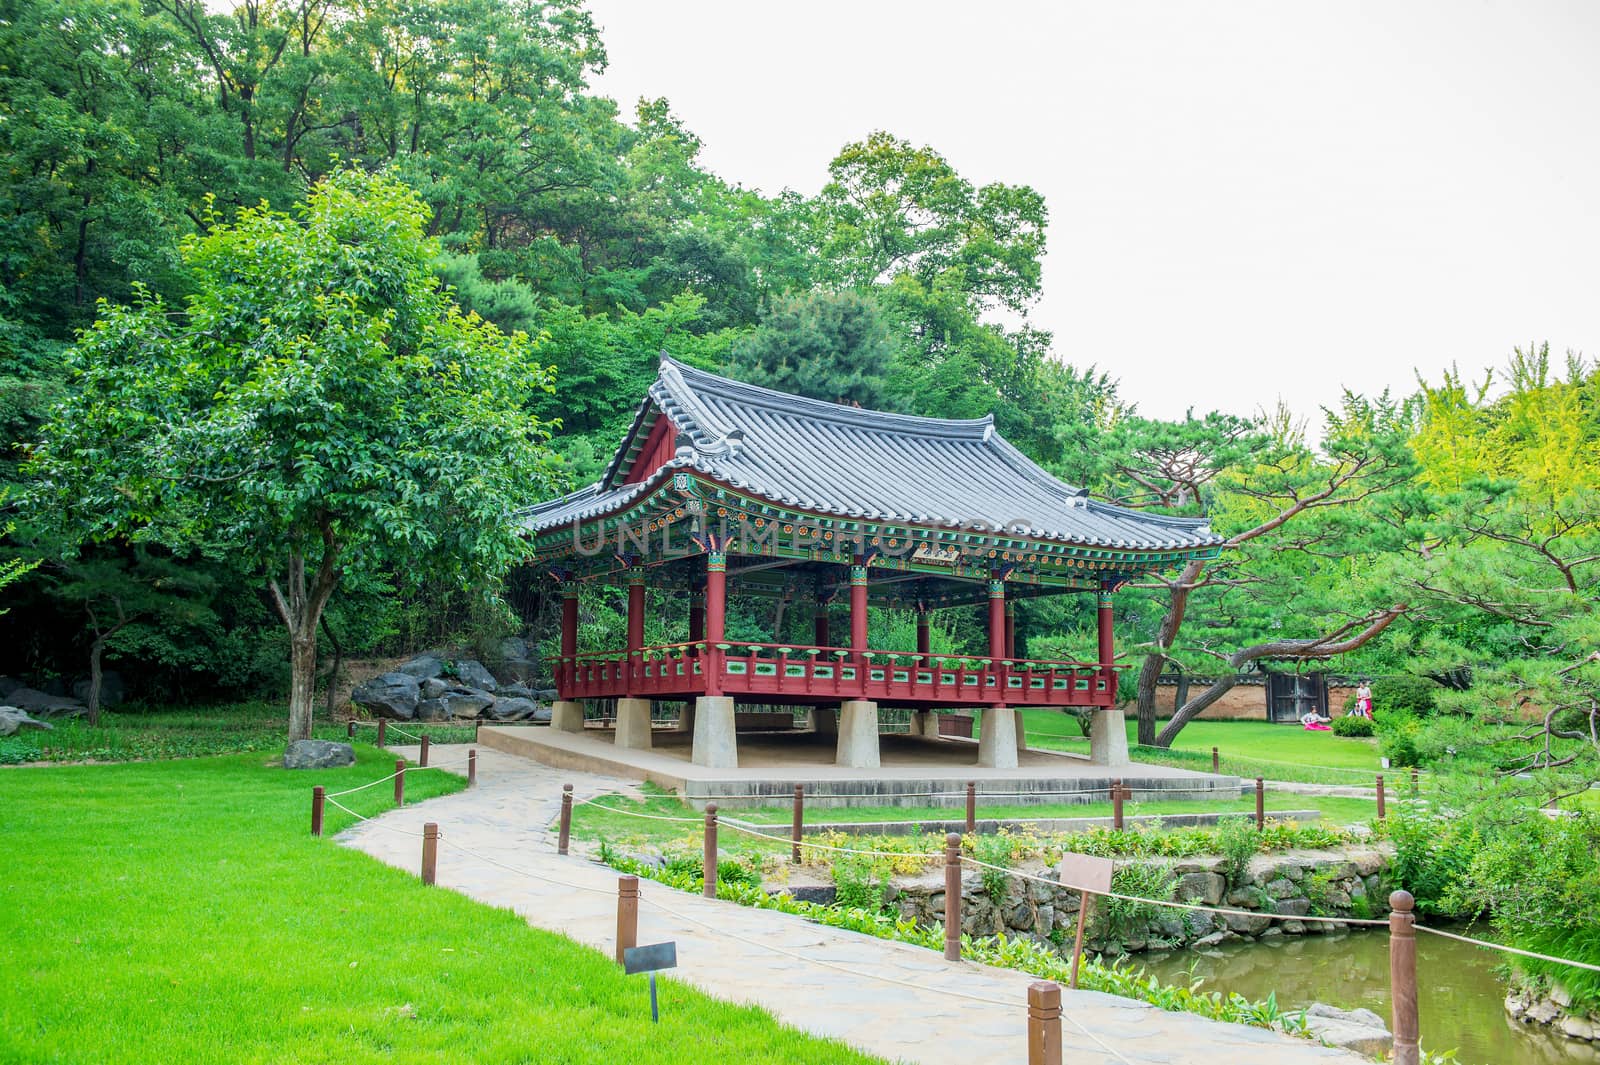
point(901, 1002)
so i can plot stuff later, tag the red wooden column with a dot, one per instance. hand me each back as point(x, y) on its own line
point(923, 643)
point(1107, 651)
point(716, 608)
point(1011, 629)
point(997, 618)
point(819, 622)
point(635, 627)
point(569, 639)
point(858, 608)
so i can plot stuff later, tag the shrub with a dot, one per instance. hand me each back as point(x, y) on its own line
point(1149, 880)
point(1397, 739)
point(858, 883)
point(1351, 725)
point(1432, 855)
point(1238, 841)
point(1410, 696)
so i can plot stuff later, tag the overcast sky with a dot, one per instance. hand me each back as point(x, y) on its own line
point(1247, 200)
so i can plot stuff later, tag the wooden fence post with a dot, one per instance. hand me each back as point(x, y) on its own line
point(972, 806)
point(350, 729)
point(952, 896)
point(399, 781)
point(1216, 761)
point(711, 851)
point(566, 818)
point(430, 852)
point(383, 731)
point(627, 914)
point(1261, 804)
point(1403, 978)
point(1380, 796)
point(1116, 805)
point(423, 761)
point(472, 767)
point(317, 797)
point(799, 822)
point(1415, 785)
point(1044, 1023)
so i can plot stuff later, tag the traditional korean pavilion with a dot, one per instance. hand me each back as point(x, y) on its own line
point(722, 489)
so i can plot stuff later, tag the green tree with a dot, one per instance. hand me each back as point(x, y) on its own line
point(318, 404)
point(826, 345)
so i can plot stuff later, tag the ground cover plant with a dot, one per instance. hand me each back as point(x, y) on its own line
point(136, 733)
point(180, 911)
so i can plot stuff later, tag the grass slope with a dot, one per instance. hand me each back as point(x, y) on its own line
point(180, 912)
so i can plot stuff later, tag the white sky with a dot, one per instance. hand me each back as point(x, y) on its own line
point(1247, 200)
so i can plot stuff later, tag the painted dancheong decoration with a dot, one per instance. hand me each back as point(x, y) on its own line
point(723, 488)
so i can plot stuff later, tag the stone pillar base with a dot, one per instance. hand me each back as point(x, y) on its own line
point(825, 721)
point(1108, 738)
point(716, 743)
point(633, 724)
point(685, 719)
point(997, 738)
point(858, 734)
point(566, 715)
point(925, 723)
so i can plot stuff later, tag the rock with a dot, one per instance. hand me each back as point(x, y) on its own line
point(423, 667)
point(512, 647)
point(1282, 888)
point(43, 705)
point(541, 716)
point(9, 685)
point(1213, 939)
point(14, 720)
point(512, 709)
point(318, 754)
point(391, 695)
point(112, 689)
point(1542, 1011)
point(513, 691)
point(822, 895)
point(1560, 995)
point(1577, 1028)
point(473, 674)
point(1292, 907)
point(1359, 1030)
point(1204, 887)
point(433, 687)
point(432, 710)
point(1293, 928)
point(459, 702)
point(1249, 926)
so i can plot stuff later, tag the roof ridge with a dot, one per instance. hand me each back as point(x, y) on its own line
point(693, 378)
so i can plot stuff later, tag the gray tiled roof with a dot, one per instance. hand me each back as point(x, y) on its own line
point(853, 463)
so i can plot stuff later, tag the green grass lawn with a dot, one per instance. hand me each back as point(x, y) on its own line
point(133, 733)
point(1247, 748)
point(179, 911)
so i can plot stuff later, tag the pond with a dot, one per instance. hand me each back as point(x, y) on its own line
point(1462, 1001)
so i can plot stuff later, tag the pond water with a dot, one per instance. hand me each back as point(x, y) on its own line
point(1462, 1001)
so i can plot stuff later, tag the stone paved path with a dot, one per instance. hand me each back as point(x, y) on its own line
point(900, 1002)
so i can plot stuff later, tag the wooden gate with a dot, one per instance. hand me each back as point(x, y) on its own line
point(1290, 696)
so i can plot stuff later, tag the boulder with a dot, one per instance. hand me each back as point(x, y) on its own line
point(1205, 887)
point(461, 702)
point(1359, 1030)
point(423, 666)
point(318, 754)
point(513, 691)
point(542, 715)
point(513, 709)
point(512, 648)
point(112, 689)
point(14, 720)
point(473, 674)
point(391, 695)
point(546, 694)
point(433, 687)
point(9, 685)
point(43, 705)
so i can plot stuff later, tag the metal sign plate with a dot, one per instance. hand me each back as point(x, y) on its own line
point(1087, 873)
point(648, 959)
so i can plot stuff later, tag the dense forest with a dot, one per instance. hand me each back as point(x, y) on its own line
point(1451, 536)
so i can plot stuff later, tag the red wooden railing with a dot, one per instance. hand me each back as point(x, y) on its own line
point(800, 673)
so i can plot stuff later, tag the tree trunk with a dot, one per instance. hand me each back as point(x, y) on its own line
point(302, 684)
point(96, 649)
point(300, 603)
point(1156, 661)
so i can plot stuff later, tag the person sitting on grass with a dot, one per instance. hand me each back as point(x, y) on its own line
point(1315, 722)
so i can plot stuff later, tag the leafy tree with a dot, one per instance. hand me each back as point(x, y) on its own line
point(830, 346)
point(318, 404)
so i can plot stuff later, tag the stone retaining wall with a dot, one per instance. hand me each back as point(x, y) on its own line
point(1299, 884)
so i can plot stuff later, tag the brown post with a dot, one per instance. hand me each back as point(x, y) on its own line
point(1116, 805)
point(430, 852)
point(350, 729)
point(317, 794)
point(799, 821)
point(399, 781)
point(627, 914)
point(1044, 1023)
point(1403, 978)
point(423, 762)
point(383, 731)
point(566, 818)
point(952, 897)
point(972, 806)
point(472, 767)
point(711, 851)
point(1261, 804)
point(1084, 898)
point(1414, 787)
point(1216, 761)
point(1380, 796)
